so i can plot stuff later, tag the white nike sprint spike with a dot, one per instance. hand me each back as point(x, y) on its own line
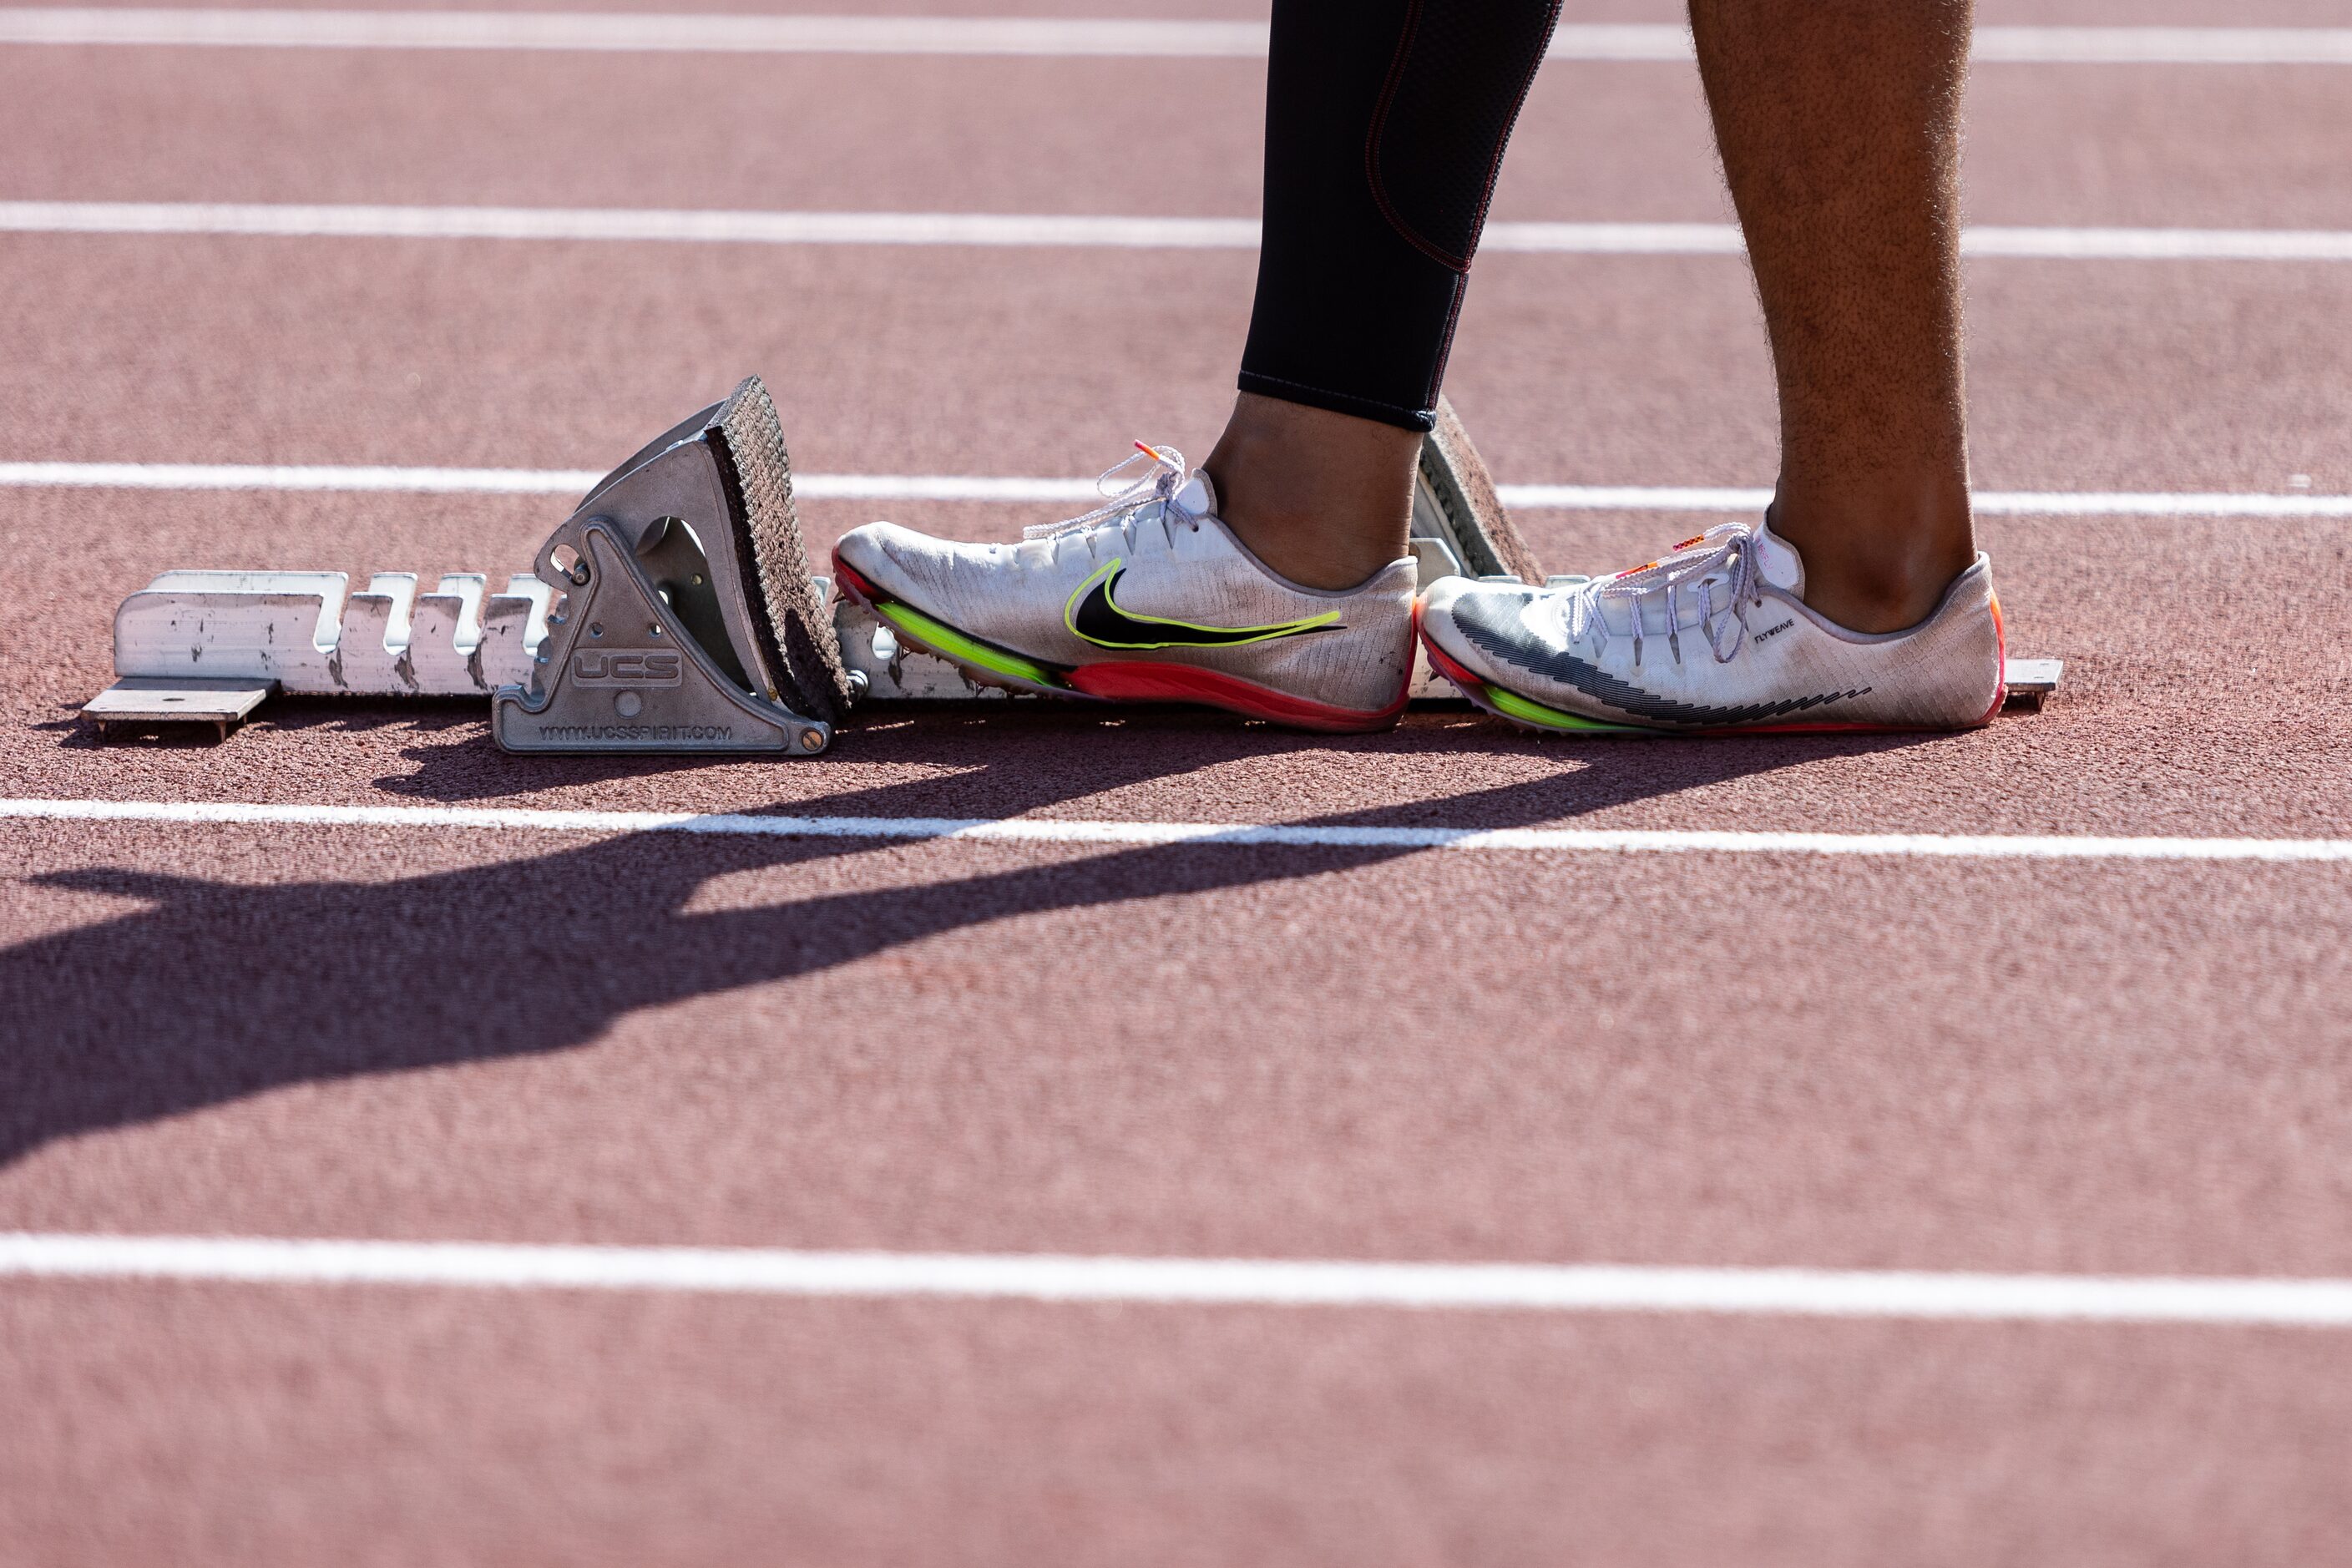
point(1713, 636)
point(1149, 597)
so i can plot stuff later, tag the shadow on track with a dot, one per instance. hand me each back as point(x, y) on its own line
point(217, 990)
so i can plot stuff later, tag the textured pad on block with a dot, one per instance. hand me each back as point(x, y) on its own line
point(794, 626)
point(1489, 545)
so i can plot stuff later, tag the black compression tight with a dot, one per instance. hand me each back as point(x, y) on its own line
point(1385, 123)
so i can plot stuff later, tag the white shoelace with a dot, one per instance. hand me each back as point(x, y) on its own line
point(1166, 476)
point(1728, 551)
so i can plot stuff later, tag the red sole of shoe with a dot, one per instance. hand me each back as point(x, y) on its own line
point(1138, 680)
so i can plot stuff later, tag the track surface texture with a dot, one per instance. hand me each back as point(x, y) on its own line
point(387, 1030)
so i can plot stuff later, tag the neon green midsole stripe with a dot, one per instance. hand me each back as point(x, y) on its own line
point(952, 644)
point(1518, 707)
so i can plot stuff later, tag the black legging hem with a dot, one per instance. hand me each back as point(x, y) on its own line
point(1421, 419)
point(1385, 124)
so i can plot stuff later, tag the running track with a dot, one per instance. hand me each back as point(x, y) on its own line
point(1100, 1193)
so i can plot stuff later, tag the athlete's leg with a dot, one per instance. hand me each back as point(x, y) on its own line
point(1324, 498)
point(1839, 124)
point(1386, 121)
point(1278, 583)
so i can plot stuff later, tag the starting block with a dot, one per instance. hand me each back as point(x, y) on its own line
point(673, 612)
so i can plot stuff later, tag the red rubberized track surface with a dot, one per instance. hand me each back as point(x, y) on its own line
point(1918, 1064)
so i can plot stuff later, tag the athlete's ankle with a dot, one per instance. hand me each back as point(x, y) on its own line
point(1878, 552)
point(1323, 499)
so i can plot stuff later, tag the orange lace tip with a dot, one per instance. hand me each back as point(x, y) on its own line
point(1146, 449)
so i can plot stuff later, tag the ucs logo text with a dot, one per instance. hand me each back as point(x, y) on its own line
point(626, 668)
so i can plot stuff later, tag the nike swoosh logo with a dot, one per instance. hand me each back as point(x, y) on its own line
point(1490, 628)
point(1093, 614)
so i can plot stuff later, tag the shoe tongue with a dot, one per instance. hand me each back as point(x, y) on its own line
point(1783, 567)
point(1198, 496)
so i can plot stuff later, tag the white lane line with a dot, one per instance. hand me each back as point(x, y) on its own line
point(2158, 243)
point(652, 33)
point(281, 220)
point(1102, 37)
point(1987, 503)
point(2164, 45)
point(1224, 1281)
point(692, 226)
point(305, 477)
point(985, 487)
point(2007, 242)
point(1058, 830)
point(507, 482)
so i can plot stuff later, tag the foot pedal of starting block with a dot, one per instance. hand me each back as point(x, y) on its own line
point(690, 622)
point(1459, 529)
point(1459, 526)
point(623, 671)
point(673, 612)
